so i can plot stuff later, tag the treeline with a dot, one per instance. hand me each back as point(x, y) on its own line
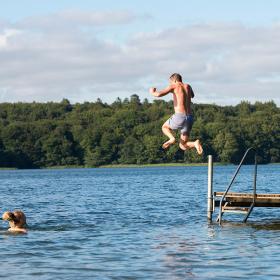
point(34, 135)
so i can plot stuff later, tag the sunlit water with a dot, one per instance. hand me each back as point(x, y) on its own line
point(139, 223)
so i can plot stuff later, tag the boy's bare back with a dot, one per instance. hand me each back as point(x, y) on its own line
point(182, 98)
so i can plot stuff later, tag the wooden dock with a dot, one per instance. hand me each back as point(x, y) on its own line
point(236, 202)
point(245, 199)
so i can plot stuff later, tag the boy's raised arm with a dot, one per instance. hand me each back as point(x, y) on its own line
point(160, 93)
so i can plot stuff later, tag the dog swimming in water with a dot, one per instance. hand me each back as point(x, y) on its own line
point(17, 221)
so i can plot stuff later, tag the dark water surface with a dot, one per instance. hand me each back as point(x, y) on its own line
point(138, 223)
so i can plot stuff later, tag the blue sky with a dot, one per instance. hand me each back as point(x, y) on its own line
point(166, 12)
point(64, 49)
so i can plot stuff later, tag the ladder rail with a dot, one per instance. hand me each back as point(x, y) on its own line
point(233, 179)
point(254, 190)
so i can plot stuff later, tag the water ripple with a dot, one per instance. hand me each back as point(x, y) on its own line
point(141, 223)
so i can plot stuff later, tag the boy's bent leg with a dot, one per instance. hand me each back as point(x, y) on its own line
point(185, 144)
point(168, 132)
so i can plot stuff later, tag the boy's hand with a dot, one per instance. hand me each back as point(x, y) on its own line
point(153, 90)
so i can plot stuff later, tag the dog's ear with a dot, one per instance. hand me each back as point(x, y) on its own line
point(19, 218)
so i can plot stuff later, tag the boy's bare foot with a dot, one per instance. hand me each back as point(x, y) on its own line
point(168, 143)
point(198, 147)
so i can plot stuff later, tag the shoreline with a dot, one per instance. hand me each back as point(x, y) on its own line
point(151, 165)
point(110, 166)
point(147, 165)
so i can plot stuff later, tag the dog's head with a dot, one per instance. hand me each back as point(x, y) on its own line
point(16, 218)
point(8, 216)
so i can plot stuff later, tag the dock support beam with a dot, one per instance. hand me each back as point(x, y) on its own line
point(210, 188)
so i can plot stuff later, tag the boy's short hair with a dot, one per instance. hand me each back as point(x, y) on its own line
point(176, 77)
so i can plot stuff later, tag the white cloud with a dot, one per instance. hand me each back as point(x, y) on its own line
point(4, 37)
point(57, 57)
point(78, 18)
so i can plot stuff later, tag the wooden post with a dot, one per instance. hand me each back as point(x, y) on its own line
point(210, 188)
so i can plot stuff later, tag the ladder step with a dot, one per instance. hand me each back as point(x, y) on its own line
point(241, 210)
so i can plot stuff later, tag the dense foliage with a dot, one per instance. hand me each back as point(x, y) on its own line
point(129, 132)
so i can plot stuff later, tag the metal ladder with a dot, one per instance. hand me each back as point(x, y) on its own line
point(226, 206)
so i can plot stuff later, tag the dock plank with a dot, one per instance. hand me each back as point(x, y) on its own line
point(245, 199)
point(245, 195)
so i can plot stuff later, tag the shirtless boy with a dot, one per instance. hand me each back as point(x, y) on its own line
point(17, 221)
point(182, 119)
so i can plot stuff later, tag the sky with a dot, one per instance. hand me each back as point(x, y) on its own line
point(83, 50)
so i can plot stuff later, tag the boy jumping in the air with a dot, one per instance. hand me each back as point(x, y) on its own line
point(182, 119)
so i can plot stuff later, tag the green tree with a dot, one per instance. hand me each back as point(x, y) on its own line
point(227, 146)
point(128, 131)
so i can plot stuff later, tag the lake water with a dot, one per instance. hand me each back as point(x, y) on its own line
point(138, 223)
